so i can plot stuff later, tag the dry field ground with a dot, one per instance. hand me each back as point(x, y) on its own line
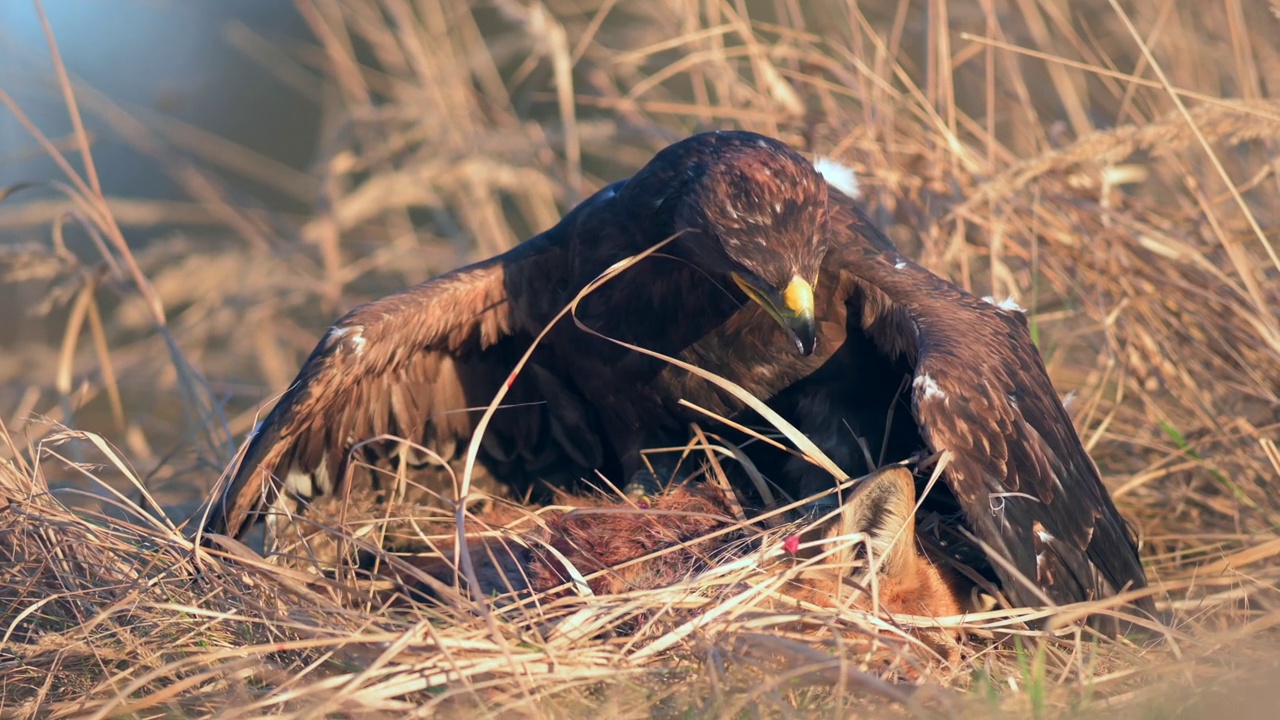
point(1111, 164)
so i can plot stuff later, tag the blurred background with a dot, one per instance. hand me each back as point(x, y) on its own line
point(183, 65)
point(259, 167)
point(271, 164)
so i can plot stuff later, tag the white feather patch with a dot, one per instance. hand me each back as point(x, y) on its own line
point(1008, 304)
point(354, 334)
point(841, 176)
point(299, 483)
point(929, 388)
point(321, 479)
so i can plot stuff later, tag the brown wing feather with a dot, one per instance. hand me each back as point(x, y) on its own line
point(1023, 479)
point(411, 365)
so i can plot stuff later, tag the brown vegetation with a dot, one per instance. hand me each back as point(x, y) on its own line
point(1111, 164)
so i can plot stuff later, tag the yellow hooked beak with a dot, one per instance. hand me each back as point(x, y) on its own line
point(792, 308)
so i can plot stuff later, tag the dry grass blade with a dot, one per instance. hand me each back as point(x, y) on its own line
point(1245, 273)
point(1080, 155)
point(100, 215)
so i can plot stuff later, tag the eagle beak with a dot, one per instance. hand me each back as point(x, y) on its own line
point(792, 308)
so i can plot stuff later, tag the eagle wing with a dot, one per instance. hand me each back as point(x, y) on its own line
point(422, 365)
point(1025, 483)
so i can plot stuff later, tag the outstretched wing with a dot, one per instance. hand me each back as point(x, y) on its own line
point(980, 390)
point(422, 365)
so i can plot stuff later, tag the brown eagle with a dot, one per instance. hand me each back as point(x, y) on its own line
point(772, 279)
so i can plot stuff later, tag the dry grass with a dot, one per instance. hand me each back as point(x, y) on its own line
point(1111, 164)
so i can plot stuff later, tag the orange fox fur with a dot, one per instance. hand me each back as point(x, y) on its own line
point(603, 538)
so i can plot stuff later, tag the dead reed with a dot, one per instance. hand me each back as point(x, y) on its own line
point(1111, 164)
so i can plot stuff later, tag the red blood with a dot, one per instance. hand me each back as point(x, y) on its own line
point(792, 544)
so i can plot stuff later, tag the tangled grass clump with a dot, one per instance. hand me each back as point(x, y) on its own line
point(1080, 156)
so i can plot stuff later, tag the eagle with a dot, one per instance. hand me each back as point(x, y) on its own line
point(752, 266)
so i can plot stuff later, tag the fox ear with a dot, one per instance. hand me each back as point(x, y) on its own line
point(882, 506)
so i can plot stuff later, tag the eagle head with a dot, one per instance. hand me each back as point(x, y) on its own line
point(744, 208)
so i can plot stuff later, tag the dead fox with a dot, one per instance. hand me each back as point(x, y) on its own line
point(619, 547)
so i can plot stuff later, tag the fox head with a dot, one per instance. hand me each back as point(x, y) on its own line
point(882, 509)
